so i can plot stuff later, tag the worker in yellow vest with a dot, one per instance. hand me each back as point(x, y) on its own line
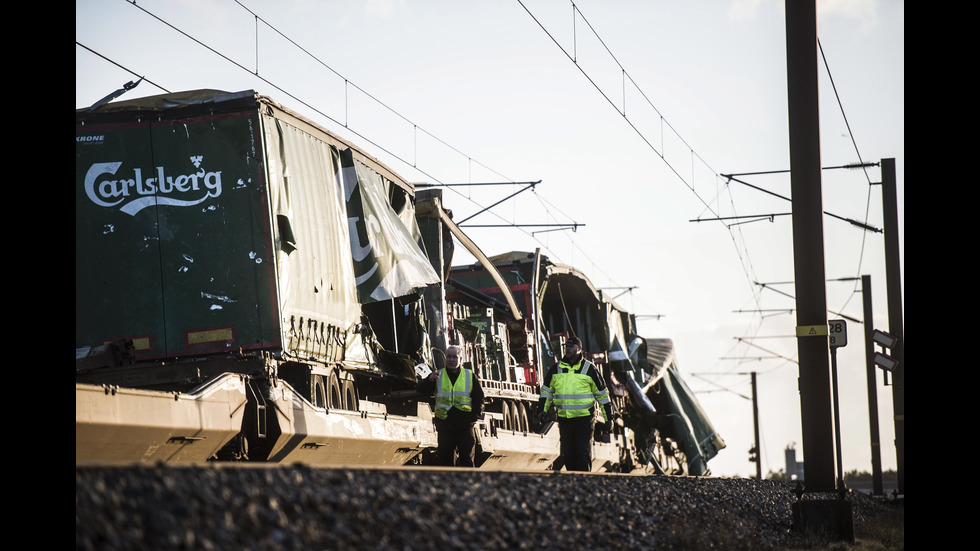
point(574, 386)
point(459, 405)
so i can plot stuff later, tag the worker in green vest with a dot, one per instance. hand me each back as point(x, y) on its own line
point(574, 386)
point(459, 405)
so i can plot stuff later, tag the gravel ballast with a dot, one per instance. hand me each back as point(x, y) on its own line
point(297, 507)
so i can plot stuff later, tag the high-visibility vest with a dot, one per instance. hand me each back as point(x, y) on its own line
point(456, 395)
point(573, 391)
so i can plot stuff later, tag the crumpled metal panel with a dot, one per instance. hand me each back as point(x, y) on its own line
point(315, 271)
point(685, 422)
point(388, 262)
point(708, 440)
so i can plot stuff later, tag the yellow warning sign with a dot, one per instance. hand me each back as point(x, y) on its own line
point(811, 331)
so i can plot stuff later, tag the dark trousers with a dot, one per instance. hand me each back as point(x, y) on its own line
point(456, 438)
point(576, 443)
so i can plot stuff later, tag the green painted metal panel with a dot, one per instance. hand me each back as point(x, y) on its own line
point(386, 256)
point(117, 256)
point(173, 236)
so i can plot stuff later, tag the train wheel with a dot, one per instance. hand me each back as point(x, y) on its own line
point(669, 457)
point(335, 399)
point(319, 392)
point(508, 416)
point(522, 424)
point(350, 396)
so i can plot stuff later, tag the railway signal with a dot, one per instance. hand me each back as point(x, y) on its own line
point(887, 342)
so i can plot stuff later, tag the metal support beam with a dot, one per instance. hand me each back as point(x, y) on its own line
point(896, 318)
point(427, 185)
point(851, 221)
point(869, 350)
point(529, 186)
point(755, 419)
point(808, 245)
point(573, 225)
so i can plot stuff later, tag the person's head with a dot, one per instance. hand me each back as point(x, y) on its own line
point(452, 359)
point(573, 350)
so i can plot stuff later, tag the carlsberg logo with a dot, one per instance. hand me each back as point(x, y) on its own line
point(158, 187)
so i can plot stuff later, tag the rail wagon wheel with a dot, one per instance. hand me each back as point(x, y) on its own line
point(680, 459)
point(508, 416)
point(522, 424)
point(669, 457)
point(350, 396)
point(335, 399)
point(319, 393)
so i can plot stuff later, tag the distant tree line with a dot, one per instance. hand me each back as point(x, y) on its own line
point(864, 476)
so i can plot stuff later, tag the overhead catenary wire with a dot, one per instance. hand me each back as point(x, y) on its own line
point(319, 112)
point(857, 152)
point(738, 241)
point(576, 11)
point(349, 84)
point(127, 69)
point(741, 251)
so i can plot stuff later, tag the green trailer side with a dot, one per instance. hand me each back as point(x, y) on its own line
point(209, 222)
point(173, 243)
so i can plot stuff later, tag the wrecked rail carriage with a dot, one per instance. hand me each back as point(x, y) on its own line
point(665, 426)
point(250, 286)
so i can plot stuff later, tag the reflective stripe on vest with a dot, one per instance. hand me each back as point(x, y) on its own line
point(456, 395)
point(573, 391)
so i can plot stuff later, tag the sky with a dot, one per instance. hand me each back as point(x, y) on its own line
point(629, 113)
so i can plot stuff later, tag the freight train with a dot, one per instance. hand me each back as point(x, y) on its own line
point(249, 286)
